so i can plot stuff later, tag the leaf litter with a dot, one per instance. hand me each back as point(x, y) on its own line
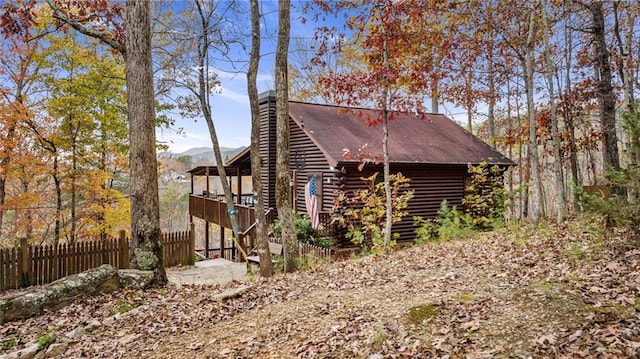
point(561, 293)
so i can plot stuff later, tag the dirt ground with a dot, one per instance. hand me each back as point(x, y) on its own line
point(561, 291)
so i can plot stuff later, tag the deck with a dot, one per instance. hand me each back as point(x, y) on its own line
point(214, 210)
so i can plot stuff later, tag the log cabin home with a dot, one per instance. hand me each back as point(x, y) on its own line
point(430, 149)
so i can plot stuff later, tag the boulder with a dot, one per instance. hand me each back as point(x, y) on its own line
point(134, 278)
point(55, 350)
point(58, 294)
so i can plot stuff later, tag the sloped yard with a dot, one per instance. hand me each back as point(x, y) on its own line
point(553, 292)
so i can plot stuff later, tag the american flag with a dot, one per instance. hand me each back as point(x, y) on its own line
point(311, 202)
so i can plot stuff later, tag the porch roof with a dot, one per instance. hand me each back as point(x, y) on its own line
point(239, 164)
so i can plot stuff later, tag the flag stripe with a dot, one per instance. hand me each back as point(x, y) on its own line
point(311, 202)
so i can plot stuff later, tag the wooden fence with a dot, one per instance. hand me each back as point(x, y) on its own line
point(306, 248)
point(36, 265)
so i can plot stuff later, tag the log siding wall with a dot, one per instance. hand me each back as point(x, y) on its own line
point(432, 183)
point(268, 150)
point(307, 160)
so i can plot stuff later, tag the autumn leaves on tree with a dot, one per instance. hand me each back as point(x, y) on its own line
point(541, 72)
point(548, 83)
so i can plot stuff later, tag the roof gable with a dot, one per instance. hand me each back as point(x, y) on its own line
point(429, 139)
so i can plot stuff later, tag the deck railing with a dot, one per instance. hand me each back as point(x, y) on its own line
point(215, 211)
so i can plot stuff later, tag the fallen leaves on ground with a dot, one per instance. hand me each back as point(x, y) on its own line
point(558, 292)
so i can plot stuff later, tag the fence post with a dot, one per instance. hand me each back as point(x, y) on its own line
point(124, 250)
point(25, 265)
point(192, 243)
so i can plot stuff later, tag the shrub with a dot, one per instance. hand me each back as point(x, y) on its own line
point(618, 210)
point(45, 340)
point(363, 212)
point(305, 232)
point(450, 223)
point(485, 196)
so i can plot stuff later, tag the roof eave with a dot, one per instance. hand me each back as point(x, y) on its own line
point(330, 159)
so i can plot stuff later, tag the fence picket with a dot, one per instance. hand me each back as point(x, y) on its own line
point(47, 263)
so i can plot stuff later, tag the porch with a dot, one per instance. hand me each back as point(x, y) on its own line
point(207, 202)
point(213, 209)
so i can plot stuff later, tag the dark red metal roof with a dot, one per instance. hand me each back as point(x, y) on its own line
point(429, 138)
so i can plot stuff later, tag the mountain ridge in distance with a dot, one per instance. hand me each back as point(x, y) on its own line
point(200, 154)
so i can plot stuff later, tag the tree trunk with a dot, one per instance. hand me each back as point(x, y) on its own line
point(569, 119)
point(3, 196)
point(74, 169)
point(4, 168)
point(625, 60)
point(555, 138)
point(535, 202)
point(58, 187)
point(388, 223)
point(469, 104)
point(492, 98)
point(283, 176)
point(146, 239)
point(606, 96)
point(7, 156)
point(262, 241)
point(204, 42)
point(512, 200)
point(28, 212)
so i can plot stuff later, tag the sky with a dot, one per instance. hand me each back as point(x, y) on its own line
point(231, 113)
point(230, 108)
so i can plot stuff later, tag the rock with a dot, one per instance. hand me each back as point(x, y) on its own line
point(135, 278)
point(225, 351)
point(30, 351)
point(76, 333)
point(58, 294)
point(231, 293)
point(56, 349)
point(129, 338)
point(93, 326)
point(14, 355)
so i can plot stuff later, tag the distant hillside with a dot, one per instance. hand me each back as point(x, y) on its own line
point(199, 150)
point(202, 155)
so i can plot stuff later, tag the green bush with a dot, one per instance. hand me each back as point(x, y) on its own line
point(485, 197)
point(45, 340)
point(620, 209)
point(9, 343)
point(450, 223)
point(305, 232)
point(426, 230)
point(363, 212)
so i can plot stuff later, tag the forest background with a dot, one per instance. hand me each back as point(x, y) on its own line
point(550, 84)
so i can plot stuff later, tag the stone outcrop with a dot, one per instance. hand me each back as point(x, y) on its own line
point(135, 278)
point(55, 295)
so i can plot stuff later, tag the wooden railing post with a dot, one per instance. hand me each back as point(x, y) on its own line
point(124, 250)
point(25, 265)
point(192, 243)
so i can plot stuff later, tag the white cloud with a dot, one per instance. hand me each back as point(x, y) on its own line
point(230, 94)
point(183, 142)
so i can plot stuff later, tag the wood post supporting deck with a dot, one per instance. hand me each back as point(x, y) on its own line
point(206, 239)
point(192, 242)
point(222, 242)
point(239, 179)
